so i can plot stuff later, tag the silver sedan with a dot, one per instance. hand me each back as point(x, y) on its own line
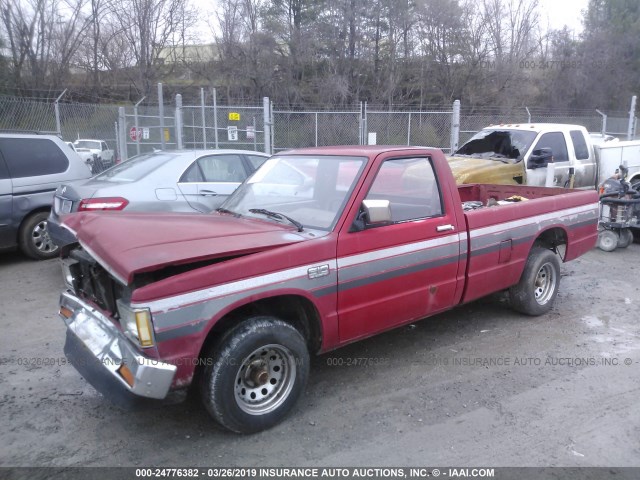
point(172, 181)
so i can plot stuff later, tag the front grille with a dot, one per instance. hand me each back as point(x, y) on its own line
point(92, 282)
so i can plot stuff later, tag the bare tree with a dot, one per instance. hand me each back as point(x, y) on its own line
point(43, 37)
point(153, 29)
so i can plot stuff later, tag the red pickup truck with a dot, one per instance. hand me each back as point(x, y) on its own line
point(319, 248)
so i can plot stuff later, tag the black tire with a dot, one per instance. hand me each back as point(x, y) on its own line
point(33, 238)
point(538, 287)
point(256, 373)
point(625, 238)
point(607, 240)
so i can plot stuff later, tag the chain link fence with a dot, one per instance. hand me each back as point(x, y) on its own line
point(223, 127)
point(132, 130)
point(27, 115)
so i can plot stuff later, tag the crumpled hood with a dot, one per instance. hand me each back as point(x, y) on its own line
point(130, 243)
point(480, 170)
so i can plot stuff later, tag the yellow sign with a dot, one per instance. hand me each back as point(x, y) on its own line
point(166, 135)
point(234, 116)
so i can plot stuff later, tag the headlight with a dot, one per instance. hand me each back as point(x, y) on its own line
point(136, 323)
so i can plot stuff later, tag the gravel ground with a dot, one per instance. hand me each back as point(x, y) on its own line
point(478, 386)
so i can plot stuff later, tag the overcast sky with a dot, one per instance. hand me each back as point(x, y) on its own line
point(563, 12)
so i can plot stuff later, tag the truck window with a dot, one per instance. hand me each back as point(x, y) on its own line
point(411, 187)
point(579, 144)
point(555, 141)
point(31, 157)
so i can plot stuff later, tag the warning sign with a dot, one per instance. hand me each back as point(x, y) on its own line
point(234, 116)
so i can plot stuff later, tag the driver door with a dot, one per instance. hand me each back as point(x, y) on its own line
point(407, 268)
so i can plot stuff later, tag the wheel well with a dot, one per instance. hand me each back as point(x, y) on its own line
point(293, 309)
point(552, 239)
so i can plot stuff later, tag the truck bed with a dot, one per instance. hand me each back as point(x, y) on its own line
point(500, 236)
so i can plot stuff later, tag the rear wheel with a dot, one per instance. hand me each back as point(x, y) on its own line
point(625, 238)
point(257, 373)
point(607, 240)
point(538, 287)
point(34, 237)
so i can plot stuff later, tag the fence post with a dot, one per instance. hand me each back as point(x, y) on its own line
point(135, 115)
point(255, 135)
point(455, 126)
point(364, 140)
point(215, 117)
point(178, 121)
point(267, 125)
point(409, 130)
point(632, 114)
point(56, 107)
point(528, 114)
point(360, 125)
point(117, 158)
point(273, 127)
point(204, 121)
point(604, 122)
point(122, 122)
point(161, 114)
point(316, 128)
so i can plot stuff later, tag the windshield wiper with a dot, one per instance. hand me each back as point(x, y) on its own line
point(226, 210)
point(280, 216)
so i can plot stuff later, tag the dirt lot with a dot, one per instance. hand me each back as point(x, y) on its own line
point(479, 386)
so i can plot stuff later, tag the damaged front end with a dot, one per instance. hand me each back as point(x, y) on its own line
point(111, 344)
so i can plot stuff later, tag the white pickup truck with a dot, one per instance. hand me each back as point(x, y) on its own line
point(520, 153)
point(96, 153)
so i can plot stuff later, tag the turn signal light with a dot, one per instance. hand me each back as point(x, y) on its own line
point(127, 375)
point(106, 203)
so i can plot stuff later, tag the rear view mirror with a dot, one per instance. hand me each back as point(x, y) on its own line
point(540, 158)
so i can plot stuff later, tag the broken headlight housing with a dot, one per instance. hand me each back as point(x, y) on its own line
point(136, 324)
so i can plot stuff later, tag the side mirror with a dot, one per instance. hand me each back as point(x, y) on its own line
point(376, 212)
point(540, 158)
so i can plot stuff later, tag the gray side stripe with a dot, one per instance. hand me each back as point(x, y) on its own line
point(360, 282)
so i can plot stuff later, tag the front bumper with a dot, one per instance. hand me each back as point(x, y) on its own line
point(99, 350)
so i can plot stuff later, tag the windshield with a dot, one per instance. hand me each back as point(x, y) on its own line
point(311, 190)
point(499, 144)
point(134, 169)
point(87, 144)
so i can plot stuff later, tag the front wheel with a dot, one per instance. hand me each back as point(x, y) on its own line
point(538, 287)
point(257, 372)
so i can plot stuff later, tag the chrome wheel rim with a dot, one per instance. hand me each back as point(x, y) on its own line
point(41, 240)
point(545, 284)
point(265, 379)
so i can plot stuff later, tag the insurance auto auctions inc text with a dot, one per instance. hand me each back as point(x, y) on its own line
point(373, 472)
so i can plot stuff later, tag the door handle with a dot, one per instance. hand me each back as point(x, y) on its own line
point(445, 228)
point(207, 193)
